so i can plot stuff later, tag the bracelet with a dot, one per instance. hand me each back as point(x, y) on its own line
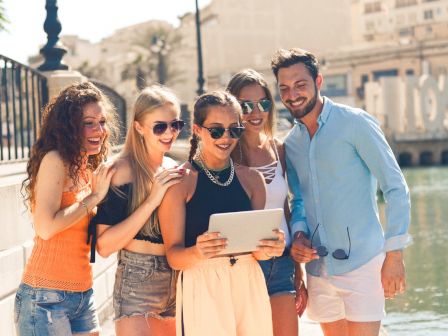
point(83, 203)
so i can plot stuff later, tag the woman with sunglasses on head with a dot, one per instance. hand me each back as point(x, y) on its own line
point(223, 295)
point(259, 149)
point(144, 291)
point(66, 180)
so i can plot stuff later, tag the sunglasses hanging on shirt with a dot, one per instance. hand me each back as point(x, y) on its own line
point(338, 254)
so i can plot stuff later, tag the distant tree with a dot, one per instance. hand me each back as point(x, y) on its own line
point(156, 63)
point(3, 19)
point(94, 72)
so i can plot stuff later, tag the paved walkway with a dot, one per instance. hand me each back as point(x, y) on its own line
point(306, 327)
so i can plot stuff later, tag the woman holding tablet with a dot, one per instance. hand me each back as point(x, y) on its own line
point(223, 295)
point(259, 149)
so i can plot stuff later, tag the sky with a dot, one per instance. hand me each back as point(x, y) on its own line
point(89, 19)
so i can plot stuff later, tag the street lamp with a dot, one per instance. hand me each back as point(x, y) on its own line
point(160, 47)
point(201, 80)
point(53, 51)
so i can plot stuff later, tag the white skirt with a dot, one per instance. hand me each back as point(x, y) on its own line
point(218, 298)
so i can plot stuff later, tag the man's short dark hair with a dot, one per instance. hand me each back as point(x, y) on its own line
point(284, 58)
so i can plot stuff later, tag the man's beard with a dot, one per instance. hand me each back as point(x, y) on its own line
point(300, 113)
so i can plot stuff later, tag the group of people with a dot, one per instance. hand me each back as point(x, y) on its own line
point(173, 276)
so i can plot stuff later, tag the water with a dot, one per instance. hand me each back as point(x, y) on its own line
point(423, 309)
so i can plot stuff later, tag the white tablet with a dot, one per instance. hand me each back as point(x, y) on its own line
point(244, 229)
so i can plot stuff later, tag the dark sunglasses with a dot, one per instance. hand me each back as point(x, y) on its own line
point(264, 105)
point(160, 127)
point(217, 132)
point(338, 254)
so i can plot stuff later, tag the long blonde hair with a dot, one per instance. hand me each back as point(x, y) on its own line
point(136, 152)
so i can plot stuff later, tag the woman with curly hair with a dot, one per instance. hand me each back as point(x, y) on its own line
point(66, 180)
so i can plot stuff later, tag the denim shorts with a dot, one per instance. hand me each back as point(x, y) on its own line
point(279, 275)
point(40, 311)
point(144, 285)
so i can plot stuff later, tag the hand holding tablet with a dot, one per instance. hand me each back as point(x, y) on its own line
point(245, 229)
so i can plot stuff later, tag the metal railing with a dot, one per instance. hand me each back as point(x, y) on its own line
point(23, 93)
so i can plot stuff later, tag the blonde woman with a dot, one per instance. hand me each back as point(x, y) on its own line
point(259, 149)
point(144, 291)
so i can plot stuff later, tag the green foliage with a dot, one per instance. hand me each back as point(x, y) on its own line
point(3, 20)
point(156, 63)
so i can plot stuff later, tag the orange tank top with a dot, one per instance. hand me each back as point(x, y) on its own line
point(62, 262)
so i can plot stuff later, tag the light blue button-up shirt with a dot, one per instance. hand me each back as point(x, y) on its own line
point(333, 181)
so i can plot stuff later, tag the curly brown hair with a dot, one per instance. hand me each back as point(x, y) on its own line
point(62, 130)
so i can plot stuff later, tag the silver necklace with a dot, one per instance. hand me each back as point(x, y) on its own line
point(213, 178)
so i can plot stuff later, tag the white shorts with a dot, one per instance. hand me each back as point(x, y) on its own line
point(356, 296)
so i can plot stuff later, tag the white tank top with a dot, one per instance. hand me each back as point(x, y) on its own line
point(276, 189)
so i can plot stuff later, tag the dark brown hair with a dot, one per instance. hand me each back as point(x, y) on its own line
point(201, 108)
point(284, 58)
point(62, 130)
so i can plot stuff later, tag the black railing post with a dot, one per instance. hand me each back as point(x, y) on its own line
point(201, 80)
point(53, 51)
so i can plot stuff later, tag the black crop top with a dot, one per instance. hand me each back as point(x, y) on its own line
point(113, 210)
point(210, 198)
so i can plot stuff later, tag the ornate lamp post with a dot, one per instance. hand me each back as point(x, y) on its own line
point(53, 51)
point(160, 47)
point(201, 80)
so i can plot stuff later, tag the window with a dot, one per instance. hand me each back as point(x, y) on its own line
point(408, 31)
point(428, 14)
point(409, 72)
point(335, 86)
point(384, 73)
point(372, 7)
point(405, 3)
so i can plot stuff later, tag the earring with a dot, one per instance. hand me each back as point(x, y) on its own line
point(142, 139)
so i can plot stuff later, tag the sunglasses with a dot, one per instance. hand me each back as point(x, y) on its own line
point(264, 105)
point(160, 127)
point(338, 254)
point(217, 132)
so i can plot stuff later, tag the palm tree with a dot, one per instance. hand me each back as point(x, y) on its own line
point(3, 20)
point(155, 65)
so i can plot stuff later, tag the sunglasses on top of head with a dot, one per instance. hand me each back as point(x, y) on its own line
point(264, 105)
point(218, 131)
point(160, 127)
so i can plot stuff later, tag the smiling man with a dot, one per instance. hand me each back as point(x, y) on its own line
point(335, 155)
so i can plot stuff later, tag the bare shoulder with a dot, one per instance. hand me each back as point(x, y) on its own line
point(186, 187)
point(281, 152)
point(123, 173)
point(52, 162)
point(53, 157)
point(280, 146)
